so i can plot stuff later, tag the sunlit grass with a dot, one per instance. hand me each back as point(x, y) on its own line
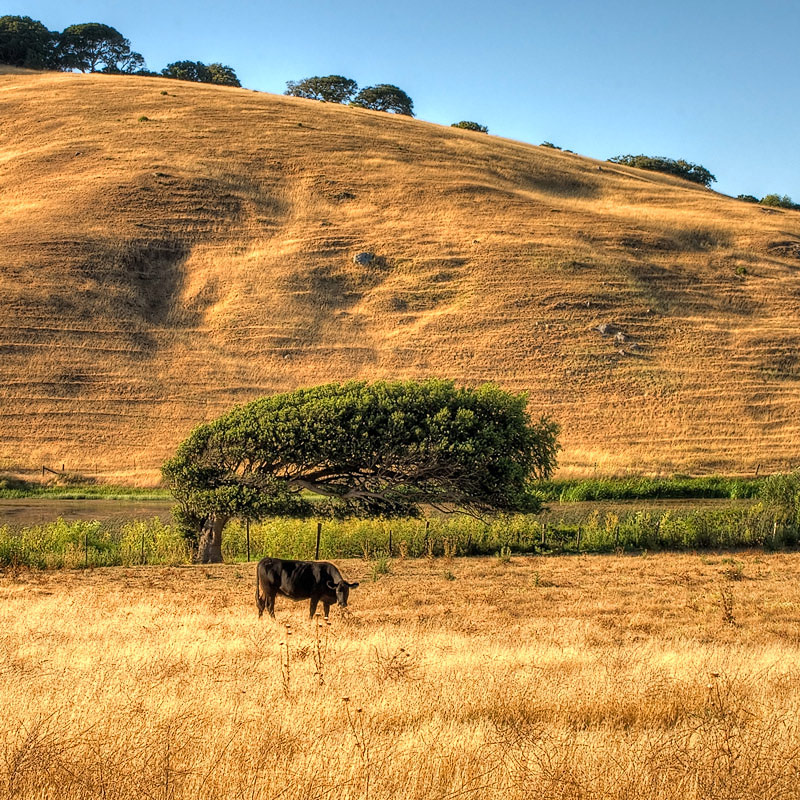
point(157, 274)
point(610, 677)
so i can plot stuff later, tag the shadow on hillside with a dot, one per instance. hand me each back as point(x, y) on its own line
point(150, 270)
point(134, 279)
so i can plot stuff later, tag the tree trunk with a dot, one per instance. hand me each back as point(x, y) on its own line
point(209, 546)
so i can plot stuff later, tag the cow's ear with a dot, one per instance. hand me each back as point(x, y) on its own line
point(353, 585)
point(331, 585)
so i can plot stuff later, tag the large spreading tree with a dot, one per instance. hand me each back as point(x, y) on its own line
point(94, 47)
point(361, 449)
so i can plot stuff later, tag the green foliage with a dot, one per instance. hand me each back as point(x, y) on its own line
point(380, 567)
point(470, 126)
point(503, 555)
point(223, 75)
point(11, 488)
point(680, 168)
point(367, 449)
point(86, 46)
point(385, 97)
point(781, 492)
point(778, 201)
point(639, 488)
point(747, 198)
point(63, 544)
point(198, 72)
point(329, 89)
point(550, 145)
point(25, 42)
point(751, 526)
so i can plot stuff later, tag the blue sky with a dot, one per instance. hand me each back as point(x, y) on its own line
point(711, 81)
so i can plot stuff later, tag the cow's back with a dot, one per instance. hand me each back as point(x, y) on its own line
point(295, 579)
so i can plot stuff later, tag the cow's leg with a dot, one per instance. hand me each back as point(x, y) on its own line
point(261, 602)
point(271, 604)
point(326, 607)
point(313, 610)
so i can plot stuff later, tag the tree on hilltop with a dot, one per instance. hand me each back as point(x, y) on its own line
point(199, 72)
point(223, 75)
point(470, 126)
point(680, 168)
point(778, 201)
point(385, 97)
point(87, 46)
point(25, 42)
point(328, 89)
point(367, 449)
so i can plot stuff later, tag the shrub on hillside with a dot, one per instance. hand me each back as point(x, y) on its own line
point(747, 198)
point(679, 168)
point(470, 126)
point(778, 201)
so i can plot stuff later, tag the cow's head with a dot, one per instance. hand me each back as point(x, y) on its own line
point(341, 590)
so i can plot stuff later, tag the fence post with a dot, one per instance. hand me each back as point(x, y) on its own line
point(390, 541)
point(544, 533)
point(86, 548)
point(142, 547)
point(319, 532)
point(247, 525)
point(427, 528)
point(578, 540)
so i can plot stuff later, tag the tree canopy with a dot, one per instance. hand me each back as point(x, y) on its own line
point(385, 97)
point(681, 168)
point(778, 201)
point(329, 89)
point(199, 72)
point(365, 449)
point(87, 46)
point(25, 42)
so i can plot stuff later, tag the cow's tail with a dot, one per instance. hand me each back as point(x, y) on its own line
point(261, 595)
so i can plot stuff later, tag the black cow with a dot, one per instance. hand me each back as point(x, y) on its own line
point(300, 580)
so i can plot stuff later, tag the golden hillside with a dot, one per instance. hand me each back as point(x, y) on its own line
point(170, 249)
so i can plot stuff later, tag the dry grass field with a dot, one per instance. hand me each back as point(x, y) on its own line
point(664, 676)
point(168, 249)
